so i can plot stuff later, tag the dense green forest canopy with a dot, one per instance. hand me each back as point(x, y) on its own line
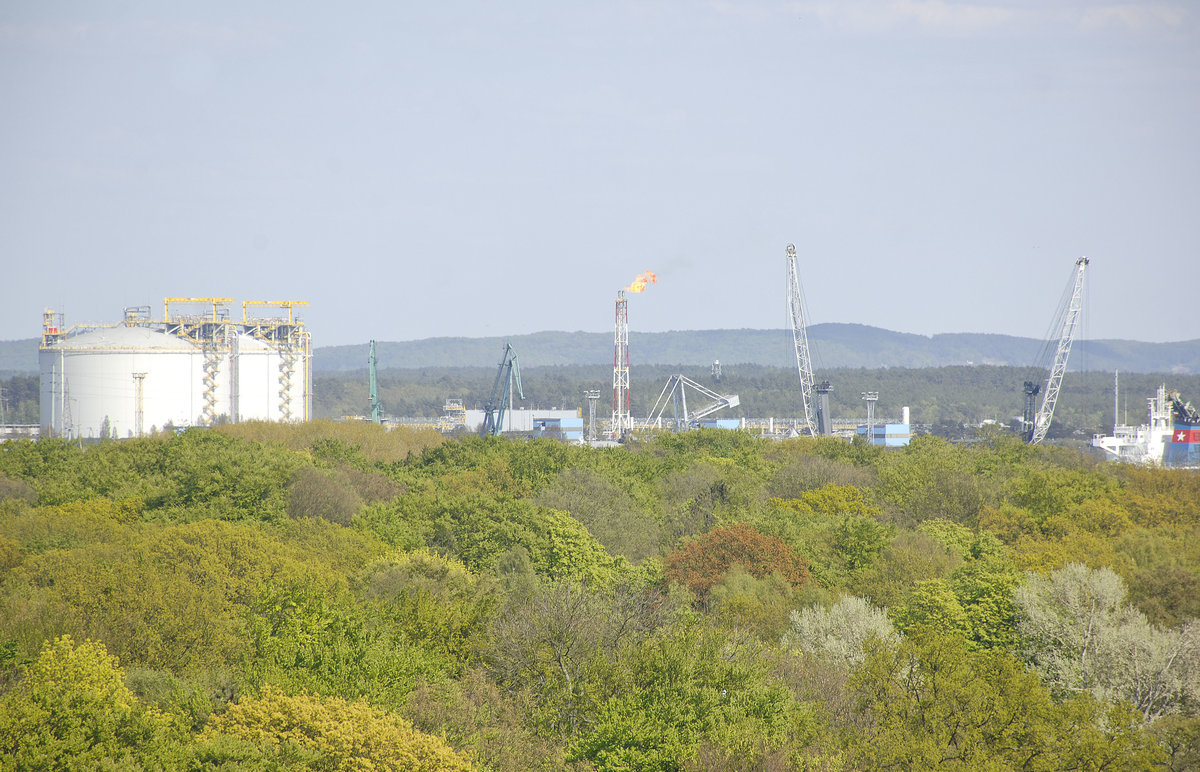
point(334, 596)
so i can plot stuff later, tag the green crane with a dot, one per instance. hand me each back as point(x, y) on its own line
point(493, 410)
point(376, 406)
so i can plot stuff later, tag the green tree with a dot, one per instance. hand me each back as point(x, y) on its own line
point(553, 647)
point(984, 589)
point(303, 636)
point(479, 528)
point(305, 732)
point(933, 479)
point(935, 704)
point(835, 527)
point(319, 493)
point(704, 493)
point(689, 687)
point(932, 605)
point(73, 711)
point(742, 601)
point(612, 515)
point(860, 540)
point(434, 600)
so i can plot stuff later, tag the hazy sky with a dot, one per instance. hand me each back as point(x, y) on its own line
point(418, 169)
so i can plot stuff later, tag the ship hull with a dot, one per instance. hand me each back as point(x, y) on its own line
point(1182, 449)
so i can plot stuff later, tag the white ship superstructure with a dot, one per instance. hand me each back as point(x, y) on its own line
point(1142, 444)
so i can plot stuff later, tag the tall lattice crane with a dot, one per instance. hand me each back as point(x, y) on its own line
point(800, 339)
point(376, 405)
point(508, 373)
point(1035, 425)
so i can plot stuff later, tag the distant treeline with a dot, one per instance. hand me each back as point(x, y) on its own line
point(19, 400)
point(834, 346)
point(941, 399)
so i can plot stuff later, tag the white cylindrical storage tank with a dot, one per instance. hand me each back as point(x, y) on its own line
point(255, 370)
point(271, 380)
point(119, 379)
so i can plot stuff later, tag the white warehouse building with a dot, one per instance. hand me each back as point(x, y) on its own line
point(126, 379)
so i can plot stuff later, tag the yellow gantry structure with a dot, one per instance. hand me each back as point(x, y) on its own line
point(216, 306)
point(288, 304)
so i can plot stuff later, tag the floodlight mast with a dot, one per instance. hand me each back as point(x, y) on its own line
point(1070, 319)
point(800, 339)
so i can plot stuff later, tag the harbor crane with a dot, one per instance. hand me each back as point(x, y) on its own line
point(376, 405)
point(1035, 425)
point(800, 341)
point(507, 374)
point(674, 393)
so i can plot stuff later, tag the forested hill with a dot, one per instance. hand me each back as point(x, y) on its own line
point(834, 345)
point(18, 356)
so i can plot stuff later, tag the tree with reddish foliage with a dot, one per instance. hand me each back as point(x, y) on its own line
point(702, 563)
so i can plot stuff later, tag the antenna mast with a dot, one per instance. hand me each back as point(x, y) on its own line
point(800, 339)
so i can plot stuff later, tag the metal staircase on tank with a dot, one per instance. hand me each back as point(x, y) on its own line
point(287, 369)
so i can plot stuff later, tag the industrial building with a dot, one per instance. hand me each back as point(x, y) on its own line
point(194, 367)
point(537, 421)
point(887, 434)
point(895, 434)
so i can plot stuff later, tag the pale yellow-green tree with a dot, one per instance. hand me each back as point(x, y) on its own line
point(73, 711)
point(308, 732)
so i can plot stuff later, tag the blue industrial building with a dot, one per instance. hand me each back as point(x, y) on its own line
point(569, 429)
point(721, 423)
point(887, 435)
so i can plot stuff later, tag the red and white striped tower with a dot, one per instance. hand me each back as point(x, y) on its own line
point(621, 421)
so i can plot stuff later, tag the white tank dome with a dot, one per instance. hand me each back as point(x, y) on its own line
point(117, 381)
point(123, 339)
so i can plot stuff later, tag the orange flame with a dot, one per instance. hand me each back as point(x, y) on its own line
point(644, 278)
